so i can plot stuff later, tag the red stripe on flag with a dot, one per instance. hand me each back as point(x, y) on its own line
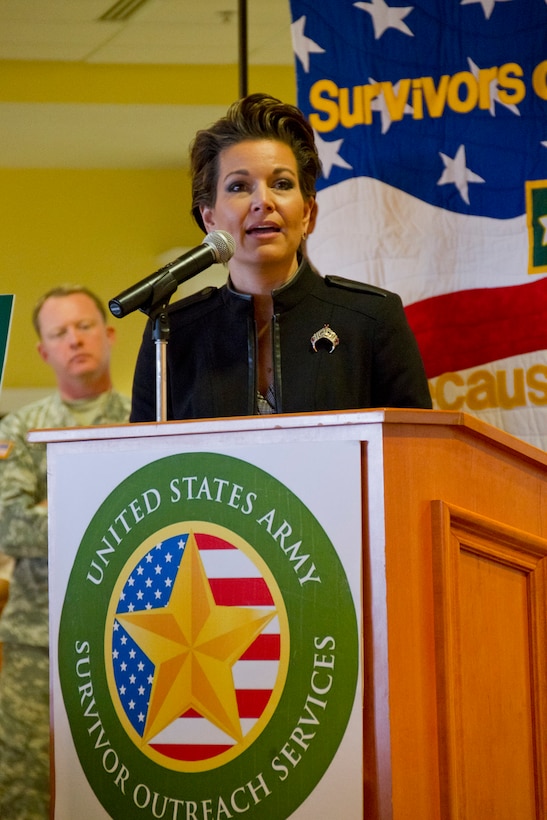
point(191, 713)
point(252, 702)
point(467, 328)
point(263, 648)
point(241, 592)
point(212, 542)
point(189, 752)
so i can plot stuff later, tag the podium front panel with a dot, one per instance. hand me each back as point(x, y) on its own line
point(205, 627)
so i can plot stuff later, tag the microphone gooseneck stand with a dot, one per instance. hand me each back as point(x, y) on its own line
point(156, 310)
point(151, 296)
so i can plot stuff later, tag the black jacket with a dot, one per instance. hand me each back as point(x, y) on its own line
point(211, 352)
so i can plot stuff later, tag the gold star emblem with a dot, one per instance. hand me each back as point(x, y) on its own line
point(193, 644)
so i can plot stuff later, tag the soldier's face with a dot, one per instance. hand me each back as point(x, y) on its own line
point(75, 340)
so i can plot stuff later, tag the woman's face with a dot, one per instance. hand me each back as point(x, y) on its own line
point(259, 202)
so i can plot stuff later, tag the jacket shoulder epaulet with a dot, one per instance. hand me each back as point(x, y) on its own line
point(195, 298)
point(352, 284)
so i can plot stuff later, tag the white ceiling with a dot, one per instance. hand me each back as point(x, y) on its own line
point(160, 32)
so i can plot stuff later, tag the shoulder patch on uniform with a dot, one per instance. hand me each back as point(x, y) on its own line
point(351, 284)
point(5, 448)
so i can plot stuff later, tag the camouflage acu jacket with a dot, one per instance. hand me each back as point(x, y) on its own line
point(23, 514)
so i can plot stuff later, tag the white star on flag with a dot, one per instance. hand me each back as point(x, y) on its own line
point(493, 91)
point(379, 104)
point(456, 172)
point(303, 46)
point(328, 153)
point(487, 5)
point(384, 17)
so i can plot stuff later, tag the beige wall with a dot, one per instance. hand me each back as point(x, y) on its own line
point(102, 228)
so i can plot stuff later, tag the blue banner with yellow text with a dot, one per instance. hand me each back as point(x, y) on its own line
point(431, 123)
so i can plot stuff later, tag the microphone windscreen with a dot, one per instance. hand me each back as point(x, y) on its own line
point(223, 244)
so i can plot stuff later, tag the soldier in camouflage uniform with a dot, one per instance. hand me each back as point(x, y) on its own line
point(75, 340)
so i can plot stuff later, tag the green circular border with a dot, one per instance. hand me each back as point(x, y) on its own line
point(313, 610)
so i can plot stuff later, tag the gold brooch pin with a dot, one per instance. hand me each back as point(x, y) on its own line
point(327, 333)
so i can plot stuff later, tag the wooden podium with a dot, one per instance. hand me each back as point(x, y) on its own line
point(454, 596)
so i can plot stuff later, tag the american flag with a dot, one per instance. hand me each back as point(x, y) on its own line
point(235, 580)
point(431, 123)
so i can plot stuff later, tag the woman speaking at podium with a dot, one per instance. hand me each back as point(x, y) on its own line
point(278, 337)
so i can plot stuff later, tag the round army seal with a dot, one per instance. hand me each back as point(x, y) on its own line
point(208, 644)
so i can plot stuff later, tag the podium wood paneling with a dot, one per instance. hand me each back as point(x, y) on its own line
point(466, 586)
point(490, 598)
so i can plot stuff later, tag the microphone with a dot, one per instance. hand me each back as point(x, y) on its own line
point(218, 246)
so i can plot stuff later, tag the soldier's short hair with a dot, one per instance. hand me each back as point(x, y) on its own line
point(65, 290)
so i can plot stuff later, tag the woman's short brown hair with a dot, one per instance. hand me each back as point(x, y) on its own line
point(257, 116)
